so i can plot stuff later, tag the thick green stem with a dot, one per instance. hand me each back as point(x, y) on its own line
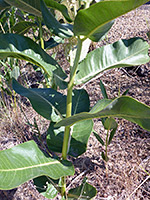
point(69, 99)
point(69, 110)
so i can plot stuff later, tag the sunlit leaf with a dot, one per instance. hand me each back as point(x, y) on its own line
point(96, 20)
point(123, 53)
point(25, 162)
point(17, 46)
point(122, 107)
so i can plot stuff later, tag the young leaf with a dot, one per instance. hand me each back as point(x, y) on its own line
point(25, 162)
point(96, 20)
point(110, 123)
point(85, 191)
point(17, 46)
point(112, 133)
point(121, 107)
point(123, 53)
point(54, 26)
point(103, 90)
point(126, 92)
point(98, 137)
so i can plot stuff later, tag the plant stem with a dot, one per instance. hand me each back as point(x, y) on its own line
point(69, 111)
point(41, 35)
point(69, 99)
point(106, 143)
point(106, 153)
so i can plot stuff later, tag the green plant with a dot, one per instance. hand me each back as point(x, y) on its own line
point(70, 116)
point(11, 20)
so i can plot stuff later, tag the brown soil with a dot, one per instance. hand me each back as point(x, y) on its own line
point(129, 150)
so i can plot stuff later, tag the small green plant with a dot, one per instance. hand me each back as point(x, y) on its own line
point(70, 116)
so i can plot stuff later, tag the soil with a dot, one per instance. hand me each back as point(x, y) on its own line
point(129, 152)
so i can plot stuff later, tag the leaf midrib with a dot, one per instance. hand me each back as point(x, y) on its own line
point(30, 167)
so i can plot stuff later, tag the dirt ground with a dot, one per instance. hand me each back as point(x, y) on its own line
point(129, 152)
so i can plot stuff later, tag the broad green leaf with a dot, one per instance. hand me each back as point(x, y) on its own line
point(17, 46)
point(91, 22)
point(122, 107)
point(45, 187)
point(58, 6)
point(123, 53)
point(80, 134)
point(83, 192)
point(30, 6)
point(25, 162)
point(51, 104)
point(3, 5)
point(80, 101)
point(22, 27)
point(47, 102)
point(54, 26)
point(55, 138)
